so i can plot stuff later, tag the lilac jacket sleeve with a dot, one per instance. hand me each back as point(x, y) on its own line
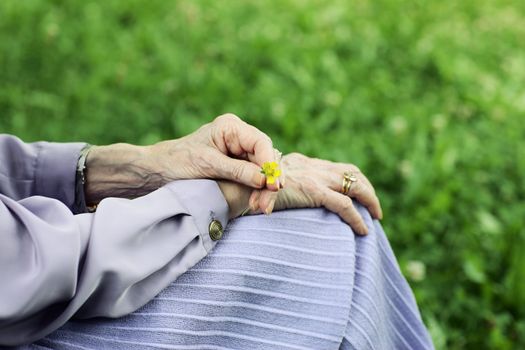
point(55, 265)
point(40, 168)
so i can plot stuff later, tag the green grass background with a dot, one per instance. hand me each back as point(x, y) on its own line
point(427, 97)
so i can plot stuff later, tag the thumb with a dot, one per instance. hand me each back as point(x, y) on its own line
point(240, 171)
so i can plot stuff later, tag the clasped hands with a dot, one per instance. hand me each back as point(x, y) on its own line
point(231, 152)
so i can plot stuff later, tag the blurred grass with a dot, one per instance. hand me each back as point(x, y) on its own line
point(427, 97)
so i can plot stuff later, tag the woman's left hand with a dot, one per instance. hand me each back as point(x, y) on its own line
point(227, 148)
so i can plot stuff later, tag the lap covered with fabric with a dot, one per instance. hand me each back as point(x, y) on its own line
point(298, 279)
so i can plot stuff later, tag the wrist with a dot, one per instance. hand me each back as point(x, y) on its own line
point(237, 197)
point(118, 170)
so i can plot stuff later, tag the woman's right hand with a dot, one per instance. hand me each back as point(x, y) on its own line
point(312, 183)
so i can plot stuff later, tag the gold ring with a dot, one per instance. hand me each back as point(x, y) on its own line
point(348, 179)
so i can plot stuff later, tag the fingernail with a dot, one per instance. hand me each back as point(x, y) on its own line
point(363, 230)
point(269, 209)
point(273, 187)
point(262, 181)
point(251, 204)
point(254, 205)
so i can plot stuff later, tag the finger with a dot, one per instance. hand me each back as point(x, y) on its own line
point(350, 167)
point(277, 182)
point(362, 189)
point(278, 157)
point(253, 202)
point(256, 143)
point(243, 140)
point(366, 181)
point(240, 171)
point(343, 206)
point(258, 147)
point(358, 190)
point(344, 167)
point(267, 201)
point(282, 178)
point(375, 206)
point(240, 137)
point(366, 196)
point(274, 187)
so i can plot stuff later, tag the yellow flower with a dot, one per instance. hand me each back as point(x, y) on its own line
point(271, 171)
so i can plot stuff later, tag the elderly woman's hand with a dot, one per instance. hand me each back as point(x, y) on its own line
point(314, 183)
point(227, 148)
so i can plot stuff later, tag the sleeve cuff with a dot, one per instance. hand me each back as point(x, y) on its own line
point(205, 202)
point(56, 171)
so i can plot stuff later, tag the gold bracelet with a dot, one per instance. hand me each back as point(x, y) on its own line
point(80, 180)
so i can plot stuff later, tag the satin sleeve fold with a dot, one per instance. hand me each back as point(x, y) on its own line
point(38, 169)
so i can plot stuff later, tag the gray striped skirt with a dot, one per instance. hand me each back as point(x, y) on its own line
point(298, 279)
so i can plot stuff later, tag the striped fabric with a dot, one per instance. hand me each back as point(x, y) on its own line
point(298, 279)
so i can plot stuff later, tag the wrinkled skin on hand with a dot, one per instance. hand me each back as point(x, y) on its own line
point(227, 148)
point(312, 183)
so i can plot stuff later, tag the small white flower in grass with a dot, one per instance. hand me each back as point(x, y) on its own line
point(398, 124)
point(406, 168)
point(416, 270)
point(439, 122)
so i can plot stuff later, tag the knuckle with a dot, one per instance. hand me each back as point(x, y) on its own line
point(358, 190)
point(260, 135)
point(346, 206)
point(227, 117)
point(322, 199)
point(355, 169)
point(267, 138)
point(296, 156)
point(237, 172)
